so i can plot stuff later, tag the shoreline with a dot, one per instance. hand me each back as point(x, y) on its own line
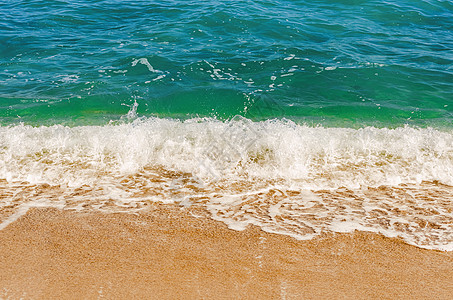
point(167, 252)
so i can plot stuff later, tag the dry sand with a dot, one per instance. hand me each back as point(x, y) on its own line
point(168, 253)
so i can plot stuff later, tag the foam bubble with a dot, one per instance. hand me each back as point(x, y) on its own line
point(310, 157)
point(286, 178)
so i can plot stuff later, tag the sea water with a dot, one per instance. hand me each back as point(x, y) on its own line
point(300, 117)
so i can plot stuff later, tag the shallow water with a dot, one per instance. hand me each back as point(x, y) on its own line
point(281, 176)
point(336, 63)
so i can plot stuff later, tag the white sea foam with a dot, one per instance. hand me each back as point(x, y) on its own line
point(144, 61)
point(284, 177)
point(312, 157)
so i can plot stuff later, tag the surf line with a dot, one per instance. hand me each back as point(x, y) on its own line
point(22, 210)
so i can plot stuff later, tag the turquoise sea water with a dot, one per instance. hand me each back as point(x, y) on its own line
point(335, 63)
point(300, 117)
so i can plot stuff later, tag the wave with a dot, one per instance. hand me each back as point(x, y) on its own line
point(284, 177)
point(311, 157)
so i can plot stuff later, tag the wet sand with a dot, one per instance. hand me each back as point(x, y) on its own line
point(167, 253)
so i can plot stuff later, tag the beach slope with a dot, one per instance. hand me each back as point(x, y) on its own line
point(169, 252)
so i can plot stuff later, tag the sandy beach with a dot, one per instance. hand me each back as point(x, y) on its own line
point(170, 253)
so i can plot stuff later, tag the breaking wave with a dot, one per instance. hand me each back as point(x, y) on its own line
point(284, 177)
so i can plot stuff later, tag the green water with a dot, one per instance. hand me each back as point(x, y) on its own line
point(333, 63)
